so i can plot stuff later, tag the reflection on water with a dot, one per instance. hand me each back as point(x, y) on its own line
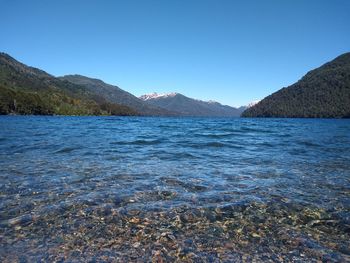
point(167, 189)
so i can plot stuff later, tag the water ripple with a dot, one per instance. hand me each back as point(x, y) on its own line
point(97, 188)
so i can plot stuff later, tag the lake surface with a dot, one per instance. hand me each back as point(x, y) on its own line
point(166, 189)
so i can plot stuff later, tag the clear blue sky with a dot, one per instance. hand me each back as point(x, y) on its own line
point(230, 51)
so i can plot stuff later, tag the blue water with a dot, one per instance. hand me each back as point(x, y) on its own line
point(200, 189)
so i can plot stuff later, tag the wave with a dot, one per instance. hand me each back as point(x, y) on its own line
point(214, 145)
point(138, 142)
point(214, 136)
point(310, 144)
point(248, 129)
point(67, 149)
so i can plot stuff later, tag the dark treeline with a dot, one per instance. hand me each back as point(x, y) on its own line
point(321, 93)
point(27, 90)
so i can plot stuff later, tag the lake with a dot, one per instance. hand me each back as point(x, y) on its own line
point(165, 189)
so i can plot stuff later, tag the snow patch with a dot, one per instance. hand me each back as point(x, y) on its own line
point(156, 95)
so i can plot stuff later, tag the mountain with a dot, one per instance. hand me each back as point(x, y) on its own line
point(157, 95)
point(253, 103)
point(249, 105)
point(28, 90)
point(114, 94)
point(322, 93)
point(190, 107)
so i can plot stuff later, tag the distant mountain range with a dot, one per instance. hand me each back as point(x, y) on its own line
point(28, 90)
point(322, 93)
point(176, 102)
point(115, 95)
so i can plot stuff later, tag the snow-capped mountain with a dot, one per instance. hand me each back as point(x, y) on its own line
point(185, 106)
point(156, 95)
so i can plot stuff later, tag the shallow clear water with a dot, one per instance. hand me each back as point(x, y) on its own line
point(186, 189)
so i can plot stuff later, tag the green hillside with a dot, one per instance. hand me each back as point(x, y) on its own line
point(27, 90)
point(321, 93)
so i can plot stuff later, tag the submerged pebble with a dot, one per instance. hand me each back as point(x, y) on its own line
point(21, 220)
point(267, 199)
